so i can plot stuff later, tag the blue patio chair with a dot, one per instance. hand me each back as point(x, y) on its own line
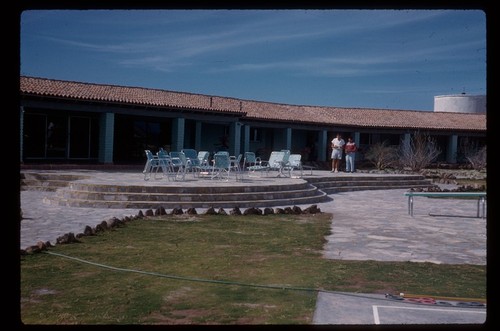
point(250, 159)
point(235, 165)
point(253, 164)
point(285, 157)
point(191, 155)
point(221, 166)
point(180, 163)
point(166, 164)
point(193, 164)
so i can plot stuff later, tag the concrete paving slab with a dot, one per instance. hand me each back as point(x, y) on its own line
point(366, 225)
point(375, 225)
point(342, 308)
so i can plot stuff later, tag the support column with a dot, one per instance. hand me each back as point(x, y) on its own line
point(106, 137)
point(246, 138)
point(178, 127)
point(452, 151)
point(322, 145)
point(288, 138)
point(407, 139)
point(357, 138)
point(197, 136)
point(235, 138)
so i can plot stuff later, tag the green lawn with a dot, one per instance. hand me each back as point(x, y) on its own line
point(214, 269)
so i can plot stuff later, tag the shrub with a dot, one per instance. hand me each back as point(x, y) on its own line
point(418, 152)
point(474, 155)
point(381, 155)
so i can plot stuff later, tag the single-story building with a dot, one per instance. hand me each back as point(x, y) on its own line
point(78, 122)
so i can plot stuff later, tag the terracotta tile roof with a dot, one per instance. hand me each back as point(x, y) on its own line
point(248, 109)
point(413, 119)
point(126, 95)
point(366, 117)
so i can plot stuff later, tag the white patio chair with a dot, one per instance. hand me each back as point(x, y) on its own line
point(294, 163)
point(152, 165)
point(203, 158)
point(276, 162)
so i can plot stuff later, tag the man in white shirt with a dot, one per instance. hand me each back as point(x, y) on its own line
point(337, 148)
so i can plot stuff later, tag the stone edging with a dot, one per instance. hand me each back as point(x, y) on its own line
point(115, 222)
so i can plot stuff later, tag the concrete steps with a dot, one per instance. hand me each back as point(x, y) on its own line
point(107, 196)
point(81, 190)
point(331, 185)
point(49, 182)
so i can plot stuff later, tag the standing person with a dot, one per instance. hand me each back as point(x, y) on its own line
point(350, 154)
point(337, 147)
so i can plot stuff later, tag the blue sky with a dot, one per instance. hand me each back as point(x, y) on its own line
point(394, 59)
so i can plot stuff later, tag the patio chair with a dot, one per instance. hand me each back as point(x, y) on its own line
point(276, 162)
point(286, 156)
point(152, 165)
point(191, 154)
point(294, 163)
point(221, 166)
point(253, 164)
point(194, 163)
point(167, 165)
point(250, 160)
point(181, 163)
point(223, 152)
point(235, 164)
point(206, 168)
point(203, 158)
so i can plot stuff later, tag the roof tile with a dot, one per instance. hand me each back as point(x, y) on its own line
point(358, 117)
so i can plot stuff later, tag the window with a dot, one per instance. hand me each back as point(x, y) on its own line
point(255, 135)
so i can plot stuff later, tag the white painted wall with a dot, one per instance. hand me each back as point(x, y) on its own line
point(460, 103)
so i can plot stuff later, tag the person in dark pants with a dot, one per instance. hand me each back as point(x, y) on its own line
point(350, 155)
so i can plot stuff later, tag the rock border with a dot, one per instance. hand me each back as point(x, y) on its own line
point(114, 222)
point(462, 188)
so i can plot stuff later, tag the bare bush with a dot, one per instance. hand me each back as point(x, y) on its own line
point(418, 152)
point(474, 155)
point(381, 155)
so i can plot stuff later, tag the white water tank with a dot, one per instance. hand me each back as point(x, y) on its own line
point(460, 103)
